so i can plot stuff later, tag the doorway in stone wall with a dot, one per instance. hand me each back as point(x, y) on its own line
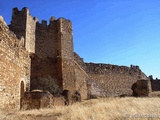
point(21, 93)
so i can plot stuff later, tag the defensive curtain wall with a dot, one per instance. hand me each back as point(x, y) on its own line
point(14, 68)
point(36, 55)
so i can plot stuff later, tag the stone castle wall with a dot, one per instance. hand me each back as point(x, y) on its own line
point(155, 84)
point(14, 68)
point(112, 80)
point(46, 39)
point(41, 56)
point(54, 51)
point(45, 67)
point(44, 75)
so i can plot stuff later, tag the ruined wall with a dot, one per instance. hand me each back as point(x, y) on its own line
point(81, 77)
point(23, 25)
point(112, 80)
point(14, 68)
point(37, 100)
point(54, 65)
point(155, 84)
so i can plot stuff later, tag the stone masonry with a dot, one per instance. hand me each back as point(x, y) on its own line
point(36, 55)
point(14, 68)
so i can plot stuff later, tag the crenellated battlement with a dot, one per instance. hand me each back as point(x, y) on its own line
point(24, 12)
point(52, 22)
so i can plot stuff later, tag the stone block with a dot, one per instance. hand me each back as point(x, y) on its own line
point(141, 88)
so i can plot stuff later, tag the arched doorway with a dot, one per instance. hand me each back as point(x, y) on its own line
point(21, 93)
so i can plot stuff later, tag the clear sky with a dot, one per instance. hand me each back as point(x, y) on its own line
point(121, 32)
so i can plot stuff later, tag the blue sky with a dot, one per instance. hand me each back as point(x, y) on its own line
point(121, 32)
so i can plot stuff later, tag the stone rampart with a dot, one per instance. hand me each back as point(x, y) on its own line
point(14, 68)
point(112, 80)
point(44, 53)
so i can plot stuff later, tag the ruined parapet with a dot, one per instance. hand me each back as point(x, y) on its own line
point(36, 100)
point(112, 80)
point(141, 88)
point(104, 69)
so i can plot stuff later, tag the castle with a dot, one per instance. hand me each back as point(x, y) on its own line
point(37, 55)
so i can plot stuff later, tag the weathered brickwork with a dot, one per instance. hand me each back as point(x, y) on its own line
point(46, 39)
point(112, 80)
point(44, 74)
point(14, 69)
point(37, 100)
point(40, 56)
point(23, 25)
point(66, 54)
point(81, 76)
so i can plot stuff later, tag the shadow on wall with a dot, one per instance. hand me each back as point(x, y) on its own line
point(47, 83)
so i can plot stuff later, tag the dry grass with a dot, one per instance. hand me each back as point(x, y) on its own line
point(97, 109)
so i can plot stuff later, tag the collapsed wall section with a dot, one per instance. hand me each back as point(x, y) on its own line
point(112, 80)
point(14, 70)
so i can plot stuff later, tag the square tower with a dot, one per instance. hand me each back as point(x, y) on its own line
point(23, 25)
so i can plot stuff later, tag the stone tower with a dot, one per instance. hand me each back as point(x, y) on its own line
point(52, 59)
point(52, 44)
point(66, 58)
point(23, 25)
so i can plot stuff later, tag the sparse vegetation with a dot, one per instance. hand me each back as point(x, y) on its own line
point(95, 109)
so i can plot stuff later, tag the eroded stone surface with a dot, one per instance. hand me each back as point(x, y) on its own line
point(14, 68)
point(36, 55)
point(141, 88)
